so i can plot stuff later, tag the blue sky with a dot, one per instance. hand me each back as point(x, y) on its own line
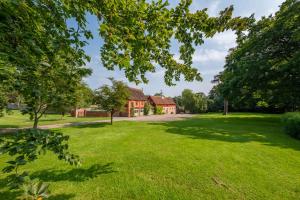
point(208, 59)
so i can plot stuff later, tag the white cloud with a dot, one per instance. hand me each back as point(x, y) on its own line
point(225, 39)
point(207, 55)
point(213, 8)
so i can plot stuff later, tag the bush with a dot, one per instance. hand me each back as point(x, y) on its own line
point(147, 109)
point(158, 110)
point(131, 112)
point(292, 124)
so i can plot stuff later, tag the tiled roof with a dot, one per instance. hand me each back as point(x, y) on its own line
point(136, 94)
point(157, 100)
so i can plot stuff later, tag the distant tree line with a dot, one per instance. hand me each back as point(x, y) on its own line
point(190, 102)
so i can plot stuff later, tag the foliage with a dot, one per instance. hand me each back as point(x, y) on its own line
point(35, 190)
point(49, 86)
point(263, 72)
point(137, 36)
point(160, 94)
point(147, 108)
point(45, 54)
point(112, 98)
point(158, 110)
point(215, 101)
point(179, 104)
point(26, 145)
point(194, 102)
point(131, 112)
point(6, 80)
point(81, 97)
point(292, 124)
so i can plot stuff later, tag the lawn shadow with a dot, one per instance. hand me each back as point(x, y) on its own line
point(2, 126)
point(52, 175)
point(5, 193)
point(75, 175)
point(88, 125)
point(266, 130)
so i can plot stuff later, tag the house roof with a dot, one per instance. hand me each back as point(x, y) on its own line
point(136, 94)
point(157, 100)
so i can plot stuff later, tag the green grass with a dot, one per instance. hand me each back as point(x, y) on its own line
point(17, 120)
point(240, 156)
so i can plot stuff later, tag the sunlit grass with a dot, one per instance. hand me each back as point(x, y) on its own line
point(240, 156)
point(16, 120)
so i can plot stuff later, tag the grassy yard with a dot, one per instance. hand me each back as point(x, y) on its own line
point(240, 156)
point(17, 120)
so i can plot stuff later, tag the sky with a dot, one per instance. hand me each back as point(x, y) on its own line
point(209, 58)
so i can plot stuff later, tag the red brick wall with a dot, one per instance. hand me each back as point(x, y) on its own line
point(86, 113)
point(97, 114)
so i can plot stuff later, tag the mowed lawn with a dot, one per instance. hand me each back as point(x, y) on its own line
point(240, 156)
point(16, 120)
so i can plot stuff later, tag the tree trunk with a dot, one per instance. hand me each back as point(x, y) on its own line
point(225, 107)
point(36, 121)
point(111, 117)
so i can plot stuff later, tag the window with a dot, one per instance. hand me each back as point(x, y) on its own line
point(136, 103)
point(132, 104)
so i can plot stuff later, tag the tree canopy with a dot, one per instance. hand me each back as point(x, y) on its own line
point(112, 98)
point(193, 102)
point(263, 70)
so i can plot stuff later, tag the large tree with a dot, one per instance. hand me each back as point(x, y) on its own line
point(112, 98)
point(263, 70)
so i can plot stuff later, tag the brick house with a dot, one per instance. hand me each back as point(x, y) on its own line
point(167, 103)
point(135, 104)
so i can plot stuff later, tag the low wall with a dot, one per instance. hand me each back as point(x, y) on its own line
point(96, 114)
point(88, 113)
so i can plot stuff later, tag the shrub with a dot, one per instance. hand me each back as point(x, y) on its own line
point(292, 124)
point(158, 110)
point(131, 112)
point(147, 108)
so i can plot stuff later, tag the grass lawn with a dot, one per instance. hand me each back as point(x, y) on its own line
point(17, 120)
point(240, 156)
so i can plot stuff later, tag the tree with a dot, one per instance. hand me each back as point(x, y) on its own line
point(194, 102)
point(46, 86)
point(215, 100)
point(81, 97)
point(160, 94)
point(188, 100)
point(179, 104)
point(200, 102)
point(158, 110)
point(137, 36)
point(147, 108)
point(262, 72)
point(112, 98)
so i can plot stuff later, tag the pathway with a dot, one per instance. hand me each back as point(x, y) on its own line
point(150, 118)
